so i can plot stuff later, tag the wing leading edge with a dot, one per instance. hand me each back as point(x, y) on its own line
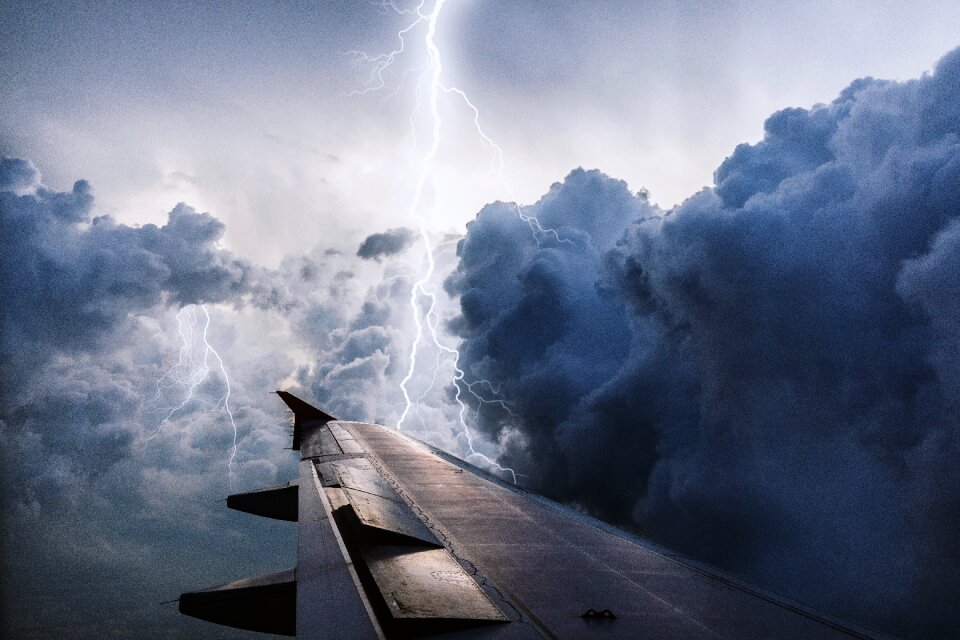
point(397, 539)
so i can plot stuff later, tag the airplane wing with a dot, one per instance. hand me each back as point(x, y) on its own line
point(398, 539)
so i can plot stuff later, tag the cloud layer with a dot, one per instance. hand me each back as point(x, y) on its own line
point(765, 377)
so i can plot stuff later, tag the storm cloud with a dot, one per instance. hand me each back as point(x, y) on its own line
point(84, 339)
point(386, 243)
point(69, 278)
point(764, 377)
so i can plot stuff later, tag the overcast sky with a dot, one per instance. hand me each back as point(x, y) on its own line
point(242, 109)
point(764, 350)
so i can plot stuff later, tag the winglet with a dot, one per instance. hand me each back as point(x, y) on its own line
point(302, 412)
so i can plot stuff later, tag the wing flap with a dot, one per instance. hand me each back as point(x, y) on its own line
point(318, 443)
point(428, 584)
point(379, 509)
point(366, 480)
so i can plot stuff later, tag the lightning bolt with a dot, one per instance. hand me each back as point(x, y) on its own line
point(536, 228)
point(429, 88)
point(192, 369)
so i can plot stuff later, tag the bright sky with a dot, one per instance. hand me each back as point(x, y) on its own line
point(243, 109)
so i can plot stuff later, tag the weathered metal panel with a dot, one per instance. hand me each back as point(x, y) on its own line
point(427, 583)
point(318, 442)
point(388, 515)
point(328, 477)
point(367, 480)
point(344, 439)
point(328, 444)
point(350, 446)
point(336, 497)
point(328, 474)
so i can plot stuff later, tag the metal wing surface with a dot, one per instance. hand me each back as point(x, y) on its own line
point(400, 540)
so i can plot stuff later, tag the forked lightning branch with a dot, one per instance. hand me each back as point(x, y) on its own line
point(429, 88)
point(197, 365)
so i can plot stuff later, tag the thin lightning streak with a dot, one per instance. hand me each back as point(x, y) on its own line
point(184, 353)
point(430, 84)
point(197, 371)
point(379, 64)
point(195, 375)
point(459, 375)
point(389, 6)
point(433, 381)
point(225, 398)
point(535, 227)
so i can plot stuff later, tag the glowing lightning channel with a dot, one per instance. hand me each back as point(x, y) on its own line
point(419, 287)
point(432, 78)
point(225, 398)
point(197, 370)
point(195, 374)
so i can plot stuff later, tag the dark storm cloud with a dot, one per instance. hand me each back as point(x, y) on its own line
point(79, 360)
point(387, 243)
point(69, 279)
point(766, 376)
point(534, 315)
point(17, 174)
point(76, 358)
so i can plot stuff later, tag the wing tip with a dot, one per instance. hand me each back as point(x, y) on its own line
point(303, 410)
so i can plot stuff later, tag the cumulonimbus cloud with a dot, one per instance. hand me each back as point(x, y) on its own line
point(765, 377)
